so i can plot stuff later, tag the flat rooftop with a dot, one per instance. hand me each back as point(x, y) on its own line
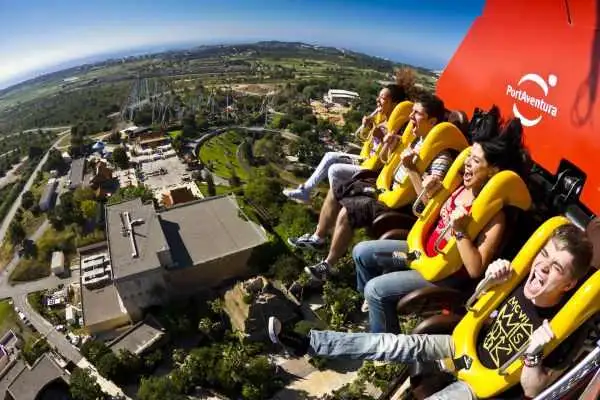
point(8, 375)
point(139, 338)
point(208, 229)
point(77, 171)
point(148, 237)
point(32, 380)
point(101, 304)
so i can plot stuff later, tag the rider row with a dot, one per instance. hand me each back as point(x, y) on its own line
point(492, 149)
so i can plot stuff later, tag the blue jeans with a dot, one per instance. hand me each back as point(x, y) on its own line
point(336, 166)
point(389, 347)
point(382, 291)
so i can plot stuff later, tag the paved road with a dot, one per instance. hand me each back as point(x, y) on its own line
point(55, 338)
point(13, 210)
point(59, 342)
point(46, 128)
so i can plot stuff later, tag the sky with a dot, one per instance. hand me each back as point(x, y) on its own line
point(39, 36)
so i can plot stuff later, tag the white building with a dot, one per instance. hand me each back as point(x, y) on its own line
point(339, 96)
point(58, 263)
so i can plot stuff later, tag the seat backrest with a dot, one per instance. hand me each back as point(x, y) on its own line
point(443, 136)
point(506, 188)
point(398, 118)
point(583, 304)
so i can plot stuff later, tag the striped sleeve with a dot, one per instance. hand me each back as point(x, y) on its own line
point(441, 164)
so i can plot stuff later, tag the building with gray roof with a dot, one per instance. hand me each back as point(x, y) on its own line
point(186, 248)
point(77, 173)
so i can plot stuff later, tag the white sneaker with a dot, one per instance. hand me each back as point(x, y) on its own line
point(299, 195)
point(306, 241)
point(274, 329)
point(365, 307)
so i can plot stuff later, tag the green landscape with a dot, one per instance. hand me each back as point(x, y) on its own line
point(236, 116)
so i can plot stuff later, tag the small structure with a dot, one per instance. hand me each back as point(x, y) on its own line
point(141, 338)
point(77, 173)
point(338, 96)
point(98, 147)
point(67, 157)
point(57, 265)
point(249, 304)
point(47, 200)
point(70, 314)
point(178, 195)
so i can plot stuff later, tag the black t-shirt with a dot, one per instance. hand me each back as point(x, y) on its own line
point(512, 325)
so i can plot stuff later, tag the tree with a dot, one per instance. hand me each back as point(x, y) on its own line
point(55, 161)
point(84, 386)
point(131, 363)
point(189, 125)
point(35, 152)
point(93, 350)
point(162, 388)
point(27, 200)
point(120, 157)
point(16, 232)
point(130, 193)
point(210, 185)
point(286, 269)
point(115, 137)
point(109, 366)
point(269, 148)
point(83, 193)
point(34, 348)
point(89, 209)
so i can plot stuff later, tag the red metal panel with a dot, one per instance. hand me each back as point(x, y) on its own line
point(526, 57)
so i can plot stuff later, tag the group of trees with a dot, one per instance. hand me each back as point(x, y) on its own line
point(124, 367)
point(77, 207)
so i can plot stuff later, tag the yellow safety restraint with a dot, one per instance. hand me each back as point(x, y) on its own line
point(398, 118)
point(506, 188)
point(580, 307)
point(443, 136)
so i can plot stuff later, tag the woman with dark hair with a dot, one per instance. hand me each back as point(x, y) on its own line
point(339, 166)
point(495, 148)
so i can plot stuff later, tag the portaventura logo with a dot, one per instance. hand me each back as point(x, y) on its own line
point(521, 96)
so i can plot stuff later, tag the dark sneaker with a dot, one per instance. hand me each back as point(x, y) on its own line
point(296, 290)
point(321, 271)
point(306, 241)
point(297, 343)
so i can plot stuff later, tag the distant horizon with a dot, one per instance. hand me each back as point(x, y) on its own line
point(163, 48)
point(44, 37)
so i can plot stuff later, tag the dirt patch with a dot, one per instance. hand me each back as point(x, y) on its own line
point(257, 89)
point(334, 113)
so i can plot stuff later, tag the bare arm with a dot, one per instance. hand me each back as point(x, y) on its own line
point(477, 254)
point(535, 379)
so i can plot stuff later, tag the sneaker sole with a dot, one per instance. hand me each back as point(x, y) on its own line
point(304, 246)
point(308, 271)
point(298, 200)
point(272, 333)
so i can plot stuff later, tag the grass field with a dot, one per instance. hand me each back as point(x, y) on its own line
point(10, 320)
point(175, 134)
point(220, 189)
point(220, 152)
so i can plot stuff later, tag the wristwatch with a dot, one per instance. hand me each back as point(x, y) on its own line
point(532, 360)
point(459, 235)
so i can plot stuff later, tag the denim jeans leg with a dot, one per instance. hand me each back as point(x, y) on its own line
point(373, 257)
point(456, 390)
point(322, 170)
point(382, 294)
point(381, 346)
